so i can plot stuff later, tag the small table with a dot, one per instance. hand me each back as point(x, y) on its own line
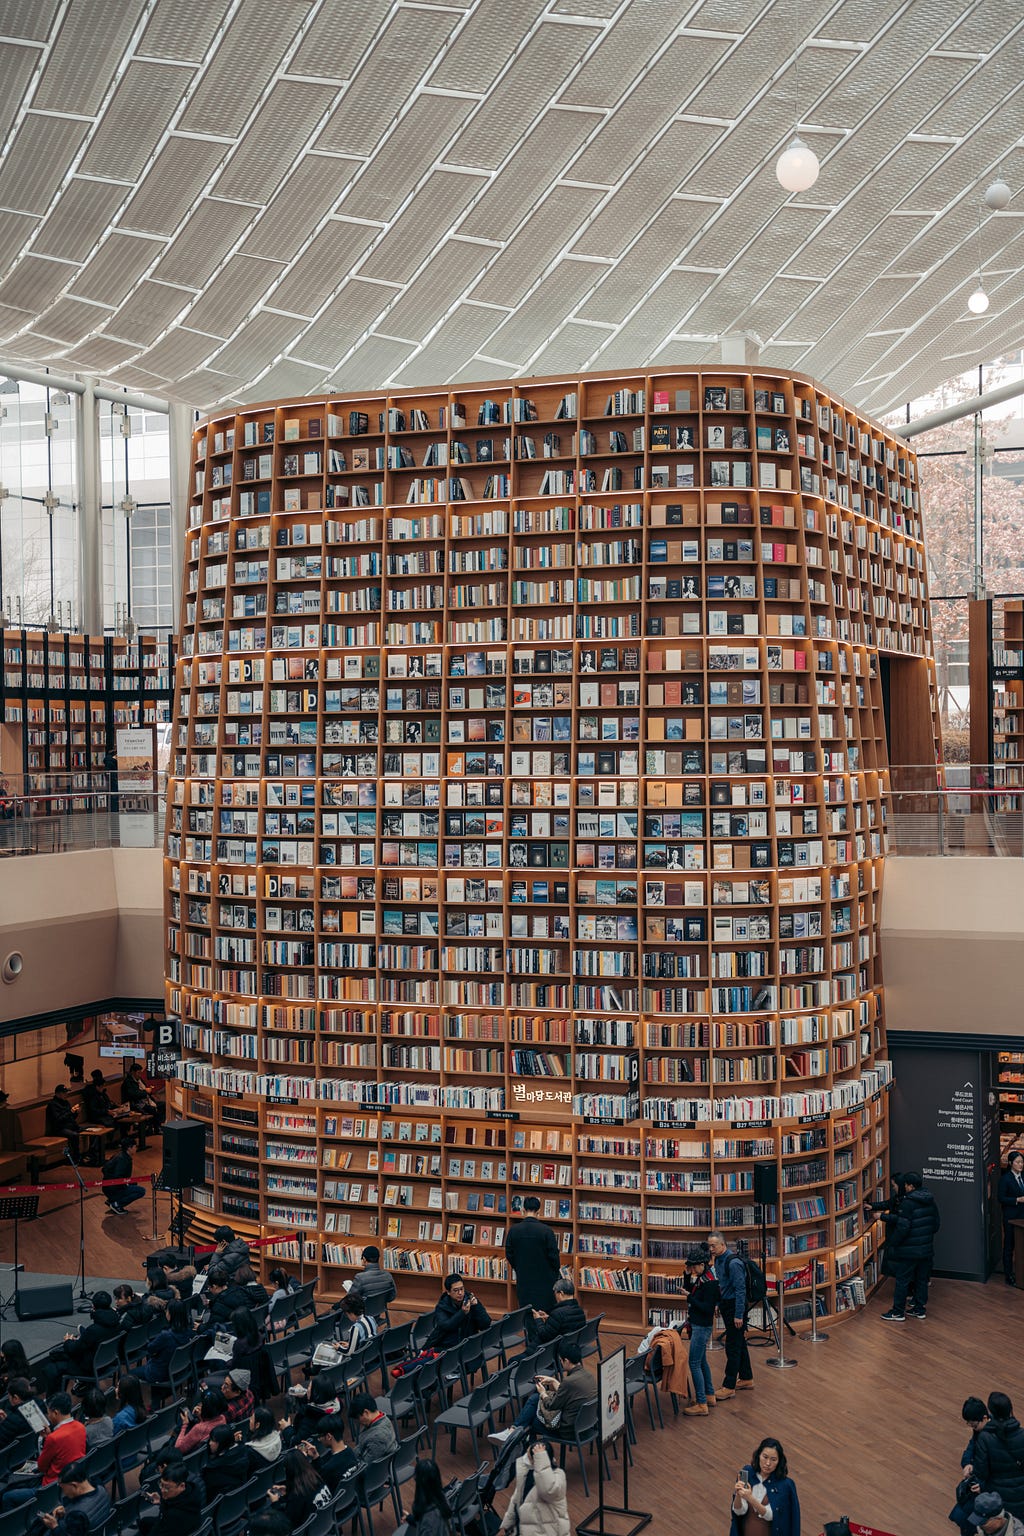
point(93, 1139)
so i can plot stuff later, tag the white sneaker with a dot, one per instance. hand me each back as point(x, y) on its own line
point(499, 1437)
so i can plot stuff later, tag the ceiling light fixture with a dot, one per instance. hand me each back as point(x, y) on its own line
point(797, 167)
point(997, 194)
point(978, 301)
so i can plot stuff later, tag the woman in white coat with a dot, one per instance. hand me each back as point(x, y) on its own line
point(538, 1505)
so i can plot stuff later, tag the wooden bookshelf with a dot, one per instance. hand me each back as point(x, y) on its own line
point(527, 810)
point(62, 697)
point(997, 696)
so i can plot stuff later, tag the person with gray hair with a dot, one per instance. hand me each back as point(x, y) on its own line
point(566, 1316)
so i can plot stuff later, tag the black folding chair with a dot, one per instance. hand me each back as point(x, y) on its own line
point(584, 1432)
point(471, 1412)
point(106, 1366)
point(373, 1487)
point(403, 1466)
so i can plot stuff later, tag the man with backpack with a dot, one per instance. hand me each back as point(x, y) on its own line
point(731, 1274)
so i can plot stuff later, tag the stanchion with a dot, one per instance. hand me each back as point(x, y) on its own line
point(815, 1336)
point(779, 1361)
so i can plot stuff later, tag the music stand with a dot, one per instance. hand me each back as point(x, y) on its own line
point(16, 1208)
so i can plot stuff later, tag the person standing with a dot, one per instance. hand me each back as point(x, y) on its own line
point(765, 1495)
point(1011, 1201)
point(731, 1274)
point(911, 1230)
point(704, 1294)
point(531, 1249)
point(11, 1136)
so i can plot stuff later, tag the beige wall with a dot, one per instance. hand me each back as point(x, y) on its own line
point(953, 945)
point(88, 924)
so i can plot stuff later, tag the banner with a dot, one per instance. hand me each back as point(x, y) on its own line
point(136, 780)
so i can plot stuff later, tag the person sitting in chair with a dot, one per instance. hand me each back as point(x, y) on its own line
point(62, 1119)
point(457, 1316)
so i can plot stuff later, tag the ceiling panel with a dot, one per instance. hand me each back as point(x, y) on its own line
point(347, 316)
point(71, 319)
point(37, 162)
point(148, 312)
point(371, 365)
point(436, 206)
point(250, 51)
point(647, 108)
point(118, 263)
point(146, 99)
point(405, 156)
point(481, 51)
point(314, 276)
point(334, 40)
point(542, 157)
point(232, 294)
point(178, 175)
point(266, 335)
point(662, 171)
point(452, 347)
point(205, 239)
point(35, 282)
point(84, 55)
point(78, 219)
point(284, 379)
point(312, 190)
point(182, 29)
point(401, 55)
point(525, 186)
point(445, 278)
point(523, 91)
point(518, 337)
point(273, 140)
point(624, 50)
point(16, 67)
point(537, 244)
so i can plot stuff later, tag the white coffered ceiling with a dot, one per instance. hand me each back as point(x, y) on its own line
point(225, 200)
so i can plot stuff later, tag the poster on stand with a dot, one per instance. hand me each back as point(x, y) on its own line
point(136, 785)
point(611, 1377)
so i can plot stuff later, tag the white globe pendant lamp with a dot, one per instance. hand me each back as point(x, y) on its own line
point(997, 194)
point(797, 167)
point(978, 301)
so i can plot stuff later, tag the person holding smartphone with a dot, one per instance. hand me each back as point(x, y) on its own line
point(538, 1506)
point(457, 1316)
point(764, 1494)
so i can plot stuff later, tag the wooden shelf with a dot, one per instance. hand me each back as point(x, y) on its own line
point(565, 805)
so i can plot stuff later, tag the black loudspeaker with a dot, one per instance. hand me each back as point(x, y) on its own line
point(766, 1183)
point(184, 1154)
point(54, 1300)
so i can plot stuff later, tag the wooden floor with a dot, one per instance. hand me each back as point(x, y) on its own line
point(870, 1419)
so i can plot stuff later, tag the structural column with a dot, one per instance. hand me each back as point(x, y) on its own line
point(89, 512)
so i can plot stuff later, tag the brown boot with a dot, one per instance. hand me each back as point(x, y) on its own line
point(724, 1393)
point(696, 1410)
point(744, 1386)
point(711, 1399)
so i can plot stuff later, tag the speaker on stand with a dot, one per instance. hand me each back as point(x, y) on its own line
point(766, 1193)
point(184, 1164)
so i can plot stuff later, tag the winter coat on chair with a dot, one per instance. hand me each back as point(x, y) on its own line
point(999, 1462)
point(538, 1504)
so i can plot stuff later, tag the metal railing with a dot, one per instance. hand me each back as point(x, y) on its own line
point(64, 812)
point(967, 810)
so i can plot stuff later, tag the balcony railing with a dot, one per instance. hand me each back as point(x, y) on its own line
point(62, 812)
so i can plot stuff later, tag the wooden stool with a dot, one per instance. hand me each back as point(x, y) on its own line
point(44, 1152)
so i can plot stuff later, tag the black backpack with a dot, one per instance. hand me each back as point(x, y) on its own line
point(756, 1280)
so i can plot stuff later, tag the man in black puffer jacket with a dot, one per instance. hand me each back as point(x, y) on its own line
point(999, 1455)
point(77, 1352)
point(566, 1316)
point(910, 1247)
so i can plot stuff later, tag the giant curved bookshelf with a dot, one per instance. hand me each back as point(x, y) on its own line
point(527, 821)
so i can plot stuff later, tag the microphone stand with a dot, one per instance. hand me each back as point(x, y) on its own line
point(84, 1301)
